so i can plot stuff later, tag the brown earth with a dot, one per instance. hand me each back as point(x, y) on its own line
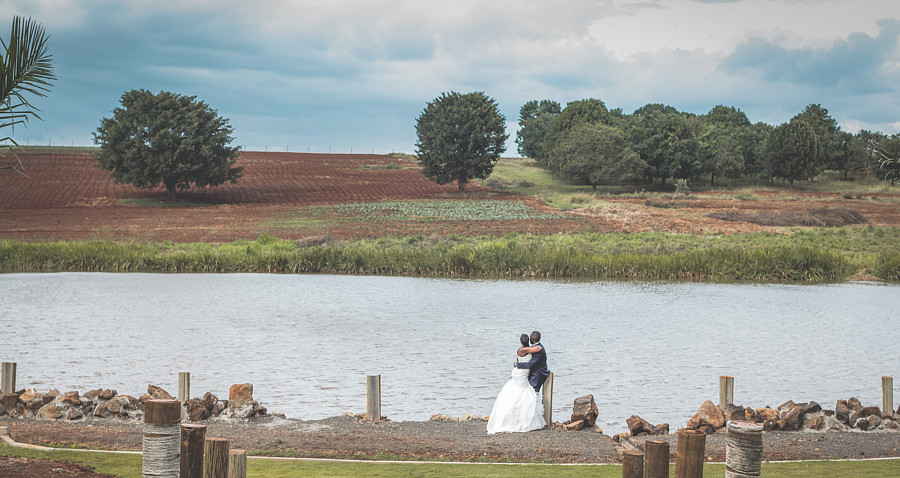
point(67, 197)
point(17, 467)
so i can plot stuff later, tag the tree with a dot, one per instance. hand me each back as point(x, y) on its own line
point(589, 111)
point(887, 153)
point(595, 154)
point(167, 139)
point(534, 122)
point(826, 129)
point(794, 152)
point(667, 141)
point(25, 69)
point(461, 137)
point(850, 154)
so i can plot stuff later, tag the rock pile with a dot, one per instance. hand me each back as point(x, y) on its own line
point(790, 416)
point(101, 404)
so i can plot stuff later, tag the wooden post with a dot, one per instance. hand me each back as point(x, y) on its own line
point(184, 386)
point(162, 439)
point(192, 438)
point(8, 379)
point(726, 391)
point(656, 459)
point(887, 396)
point(632, 464)
point(237, 464)
point(689, 453)
point(547, 398)
point(215, 458)
point(743, 449)
point(373, 397)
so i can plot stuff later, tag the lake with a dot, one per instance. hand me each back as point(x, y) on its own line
point(443, 346)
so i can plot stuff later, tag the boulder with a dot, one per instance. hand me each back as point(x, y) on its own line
point(842, 412)
point(74, 413)
point(210, 400)
point(34, 405)
point(854, 404)
point(750, 415)
point(218, 408)
point(9, 400)
point(107, 394)
point(891, 425)
point(617, 438)
point(87, 407)
point(812, 407)
point(862, 423)
point(871, 411)
point(816, 422)
point(50, 396)
point(240, 400)
point(786, 406)
point(92, 394)
point(31, 394)
point(769, 425)
point(50, 411)
point(585, 409)
point(766, 413)
point(734, 412)
point(661, 429)
point(708, 414)
point(101, 410)
point(828, 413)
point(790, 418)
point(196, 409)
point(157, 393)
point(69, 398)
point(874, 421)
point(637, 425)
point(854, 416)
point(134, 403)
point(118, 405)
point(575, 426)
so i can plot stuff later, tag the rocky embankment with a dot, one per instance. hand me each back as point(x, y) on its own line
point(108, 404)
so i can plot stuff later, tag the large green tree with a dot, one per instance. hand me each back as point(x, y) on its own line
point(169, 139)
point(460, 137)
point(794, 152)
point(535, 118)
point(667, 141)
point(826, 129)
point(595, 153)
point(850, 154)
point(25, 70)
point(576, 113)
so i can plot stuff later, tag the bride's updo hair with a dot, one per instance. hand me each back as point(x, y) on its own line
point(523, 339)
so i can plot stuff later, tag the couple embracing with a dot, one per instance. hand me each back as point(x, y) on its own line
point(518, 407)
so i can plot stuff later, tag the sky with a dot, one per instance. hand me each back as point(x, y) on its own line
point(353, 75)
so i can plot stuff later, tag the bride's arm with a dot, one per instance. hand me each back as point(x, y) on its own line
point(523, 351)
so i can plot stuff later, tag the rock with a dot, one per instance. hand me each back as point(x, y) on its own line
point(88, 407)
point(92, 394)
point(854, 416)
point(637, 425)
point(133, 403)
point(766, 413)
point(210, 400)
point(2, 411)
point(118, 405)
point(107, 394)
point(69, 398)
point(50, 411)
point(50, 396)
point(833, 424)
point(30, 394)
point(585, 409)
point(828, 413)
point(874, 421)
point(816, 422)
point(750, 415)
point(158, 393)
point(101, 411)
point(707, 428)
point(196, 409)
point(842, 412)
point(575, 426)
point(862, 423)
point(661, 429)
point(9, 400)
point(708, 414)
point(144, 398)
point(734, 412)
point(620, 436)
point(786, 406)
point(812, 407)
point(790, 418)
point(240, 401)
point(891, 425)
point(854, 404)
point(35, 404)
point(74, 413)
point(218, 408)
point(871, 411)
point(769, 425)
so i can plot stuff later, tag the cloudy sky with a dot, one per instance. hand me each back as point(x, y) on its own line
point(324, 75)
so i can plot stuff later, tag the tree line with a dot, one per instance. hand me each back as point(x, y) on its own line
point(588, 143)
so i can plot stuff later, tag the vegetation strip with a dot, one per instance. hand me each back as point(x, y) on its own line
point(810, 257)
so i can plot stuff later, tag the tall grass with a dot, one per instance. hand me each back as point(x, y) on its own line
point(602, 256)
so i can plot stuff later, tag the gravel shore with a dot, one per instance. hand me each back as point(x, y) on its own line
point(353, 437)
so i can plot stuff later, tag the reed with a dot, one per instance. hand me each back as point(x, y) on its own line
point(653, 257)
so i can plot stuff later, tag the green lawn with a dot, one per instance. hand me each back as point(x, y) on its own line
point(129, 465)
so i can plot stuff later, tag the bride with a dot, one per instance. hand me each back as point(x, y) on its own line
point(518, 407)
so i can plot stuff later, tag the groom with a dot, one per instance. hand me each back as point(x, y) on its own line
point(538, 363)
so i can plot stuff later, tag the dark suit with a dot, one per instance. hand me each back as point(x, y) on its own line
point(538, 365)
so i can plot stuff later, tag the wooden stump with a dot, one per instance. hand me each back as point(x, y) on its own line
point(192, 439)
point(184, 386)
point(632, 464)
point(547, 399)
point(656, 457)
point(162, 439)
point(373, 397)
point(7, 377)
point(726, 391)
point(689, 453)
point(237, 464)
point(743, 449)
point(215, 458)
point(887, 396)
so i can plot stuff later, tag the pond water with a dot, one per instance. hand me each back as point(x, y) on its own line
point(306, 342)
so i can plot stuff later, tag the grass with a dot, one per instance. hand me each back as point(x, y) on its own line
point(808, 255)
point(129, 466)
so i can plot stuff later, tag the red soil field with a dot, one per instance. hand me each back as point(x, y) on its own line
point(67, 197)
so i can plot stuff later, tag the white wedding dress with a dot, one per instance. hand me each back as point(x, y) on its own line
point(518, 407)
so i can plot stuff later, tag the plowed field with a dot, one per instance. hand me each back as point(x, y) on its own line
point(288, 195)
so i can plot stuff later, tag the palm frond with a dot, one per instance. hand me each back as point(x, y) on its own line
point(25, 68)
